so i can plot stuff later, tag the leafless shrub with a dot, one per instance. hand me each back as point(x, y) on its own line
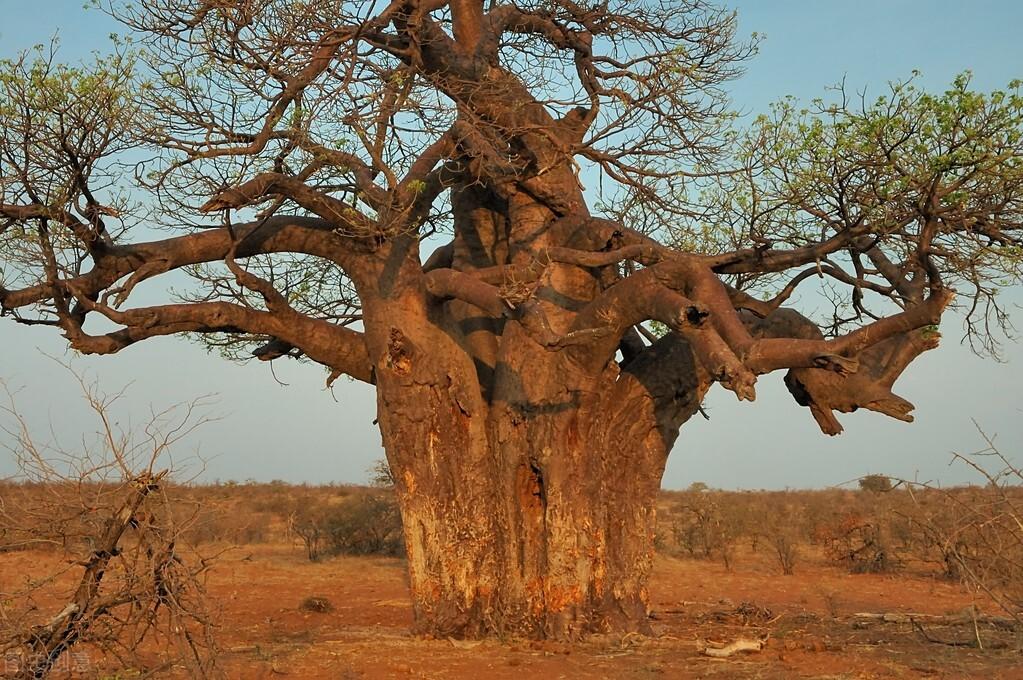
point(364, 523)
point(702, 529)
point(380, 475)
point(976, 532)
point(863, 545)
point(782, 528)
point(113, 584)
point(308, 526)
point(220, 521)
point(785, 549)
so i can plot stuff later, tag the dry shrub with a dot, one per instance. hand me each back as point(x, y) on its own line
point(363, 523)
point(702, 529)
point(224, 521)
point(712, 524)
point(125, 590)
point(976, 532)
point(309, 527)
point(973, 534)
point(367, 524)
point(863, 546)
point(786, 549)
point(316, 604)
point(782, 526)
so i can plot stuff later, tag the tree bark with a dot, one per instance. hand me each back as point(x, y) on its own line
point(526, 475)
point(527, 481)
point(538, 524)
point(537, 520)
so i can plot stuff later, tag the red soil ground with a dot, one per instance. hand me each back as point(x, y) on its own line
point(808, 616)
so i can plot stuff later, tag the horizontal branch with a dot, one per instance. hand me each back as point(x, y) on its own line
point(339, 348)
point(769, 354)
point(307, 235)
point(453, 284)
point(457, 285)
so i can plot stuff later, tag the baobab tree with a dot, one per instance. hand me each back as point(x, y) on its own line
point(532, 372)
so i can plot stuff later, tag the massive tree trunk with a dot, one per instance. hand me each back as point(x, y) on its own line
point(536, 517)
point(526, 472)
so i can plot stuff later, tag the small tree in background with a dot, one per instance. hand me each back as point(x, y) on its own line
point(782, 528)
point(875, 483)
point(380, 475)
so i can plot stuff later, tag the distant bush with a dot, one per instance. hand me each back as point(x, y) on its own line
point(863, 546)
point(366, 523)
point(875, 483)
point(701, 528)
point(224, 522)
point(970, 534)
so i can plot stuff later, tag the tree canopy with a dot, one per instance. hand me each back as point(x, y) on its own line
point(330, 110)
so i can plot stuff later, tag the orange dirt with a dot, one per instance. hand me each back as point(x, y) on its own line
point(264, 634)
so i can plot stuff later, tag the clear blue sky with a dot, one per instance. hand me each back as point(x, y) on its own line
point(300, 433)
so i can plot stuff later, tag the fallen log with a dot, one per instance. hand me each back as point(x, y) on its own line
point(967, 618)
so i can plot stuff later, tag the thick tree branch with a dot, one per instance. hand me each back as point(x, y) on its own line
point(770, 354)
point(453, 284)
point(457, 285)
point(338, 348)
point(308, 235)
point(467, 16)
